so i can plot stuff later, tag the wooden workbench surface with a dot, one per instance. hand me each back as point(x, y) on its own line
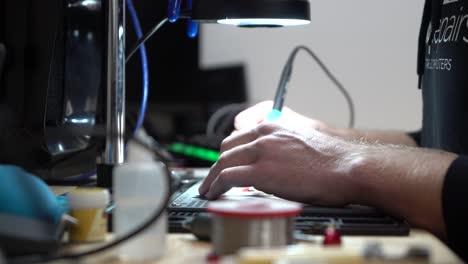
point(184, 248)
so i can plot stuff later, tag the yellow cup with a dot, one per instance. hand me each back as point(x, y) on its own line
point(92, 225)
point(88, 206)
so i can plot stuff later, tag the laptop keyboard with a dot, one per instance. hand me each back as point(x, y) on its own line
point(352, 220)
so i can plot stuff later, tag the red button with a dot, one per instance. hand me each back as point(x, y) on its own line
point(212, 258)
point(332, 237)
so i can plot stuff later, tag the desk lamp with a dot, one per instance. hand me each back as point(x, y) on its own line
point(242, 13)
point(252, 13)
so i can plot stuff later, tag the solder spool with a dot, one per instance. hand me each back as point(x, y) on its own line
point(254, 222)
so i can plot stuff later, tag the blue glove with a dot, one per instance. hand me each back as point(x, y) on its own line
point(23, 194)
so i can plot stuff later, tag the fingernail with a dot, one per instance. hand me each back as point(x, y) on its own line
point(202, 191)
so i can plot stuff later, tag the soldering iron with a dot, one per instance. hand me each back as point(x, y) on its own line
point(276, 112)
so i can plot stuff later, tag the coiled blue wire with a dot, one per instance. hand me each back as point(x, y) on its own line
point(144, 66)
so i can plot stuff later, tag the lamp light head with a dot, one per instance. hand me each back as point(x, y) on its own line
point(252, 13)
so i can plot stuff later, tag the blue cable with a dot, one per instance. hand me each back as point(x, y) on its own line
point(144, 66)
point(81, 177)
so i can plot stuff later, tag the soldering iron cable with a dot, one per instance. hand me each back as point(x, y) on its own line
point(286, 76)
point(145, 38)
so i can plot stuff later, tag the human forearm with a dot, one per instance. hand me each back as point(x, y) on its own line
point(405, 182)
point(375, 136)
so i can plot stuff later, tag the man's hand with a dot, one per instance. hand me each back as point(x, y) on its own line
point(306, 166)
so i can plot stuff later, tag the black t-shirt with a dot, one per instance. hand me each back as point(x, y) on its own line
point(445, 81)
point(444, 64)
